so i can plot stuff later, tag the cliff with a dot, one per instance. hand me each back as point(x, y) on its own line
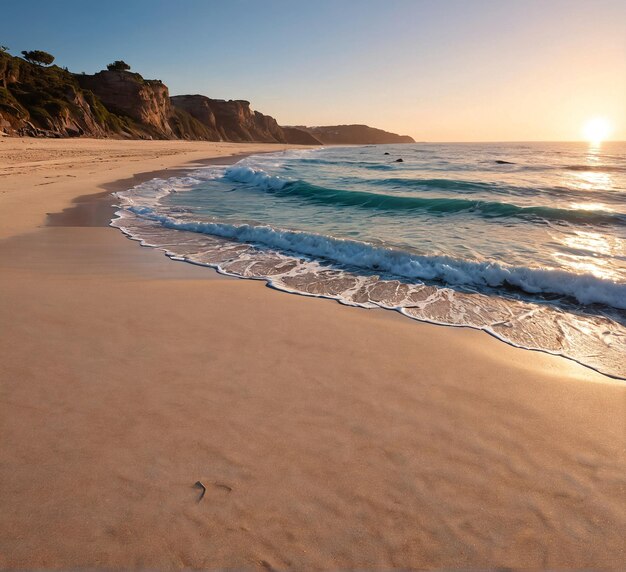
point(46, 101)
point(51, 101)
point(198, 108)
point(234, 121)
point(354, 135)
point(124, 93)
point(299, 137)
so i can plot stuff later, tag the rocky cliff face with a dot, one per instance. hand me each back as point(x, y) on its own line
point(45, 101)
point(296, 136)
point(237, 122)
point(9, 69)
point(198, 107)
point(125, 93)
point(53, 102)
point(355, 135)
point(233, 120)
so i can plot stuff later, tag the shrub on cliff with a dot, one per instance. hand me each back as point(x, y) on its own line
point(38, 57)
point(118, 65)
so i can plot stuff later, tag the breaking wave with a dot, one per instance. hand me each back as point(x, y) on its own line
point(584, 288)
point(437, 205)
point(417, 245)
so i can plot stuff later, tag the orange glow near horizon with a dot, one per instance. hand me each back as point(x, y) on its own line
point(597, 129)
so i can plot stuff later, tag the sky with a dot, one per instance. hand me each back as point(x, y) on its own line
point(438, 70)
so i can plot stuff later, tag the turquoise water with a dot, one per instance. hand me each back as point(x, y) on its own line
point(525, 241)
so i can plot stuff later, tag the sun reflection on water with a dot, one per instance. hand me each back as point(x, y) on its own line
point(591, 207)
point(591, 252)
point(593, 152)
point(582, 265)
point(591, 180)
point(592, 241)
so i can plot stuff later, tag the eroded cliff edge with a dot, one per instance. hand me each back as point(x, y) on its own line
point(41, 101)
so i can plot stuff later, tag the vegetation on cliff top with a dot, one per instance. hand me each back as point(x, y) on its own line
point(38, 93)
point(49, 101)
point(118, 65)
point(38, 98)
point(38, 57)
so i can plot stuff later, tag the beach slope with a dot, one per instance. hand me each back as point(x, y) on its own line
point(327, 437)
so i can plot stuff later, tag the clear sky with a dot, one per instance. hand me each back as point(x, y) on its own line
point(439, 70)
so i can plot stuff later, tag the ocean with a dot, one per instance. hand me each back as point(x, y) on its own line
point(526, 241)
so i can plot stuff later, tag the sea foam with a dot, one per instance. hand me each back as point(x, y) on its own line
point(571, 310)
point(586, 289)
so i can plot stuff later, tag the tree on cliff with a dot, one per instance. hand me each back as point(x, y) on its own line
point(38, 57)
point(118, 65)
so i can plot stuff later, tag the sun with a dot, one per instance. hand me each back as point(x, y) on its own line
point(597, 129)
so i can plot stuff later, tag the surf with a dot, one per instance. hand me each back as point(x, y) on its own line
point(393, 202)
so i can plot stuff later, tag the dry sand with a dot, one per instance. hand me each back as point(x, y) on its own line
point(327, 436)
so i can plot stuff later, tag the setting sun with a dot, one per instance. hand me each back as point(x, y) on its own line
point(597, 129)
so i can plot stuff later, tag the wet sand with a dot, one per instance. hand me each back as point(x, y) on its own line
point(327, 436)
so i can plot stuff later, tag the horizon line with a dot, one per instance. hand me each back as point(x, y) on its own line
point(584, 141)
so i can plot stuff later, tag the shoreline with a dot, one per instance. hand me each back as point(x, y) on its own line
point(269, 282)
point(326, 437)
point(94, 209)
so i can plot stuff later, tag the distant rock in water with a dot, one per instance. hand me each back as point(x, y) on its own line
point(400, 160)
point(385, 153)
point(354, 135)
point(500, 162)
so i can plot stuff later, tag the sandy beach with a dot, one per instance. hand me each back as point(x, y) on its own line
point(327, 437)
